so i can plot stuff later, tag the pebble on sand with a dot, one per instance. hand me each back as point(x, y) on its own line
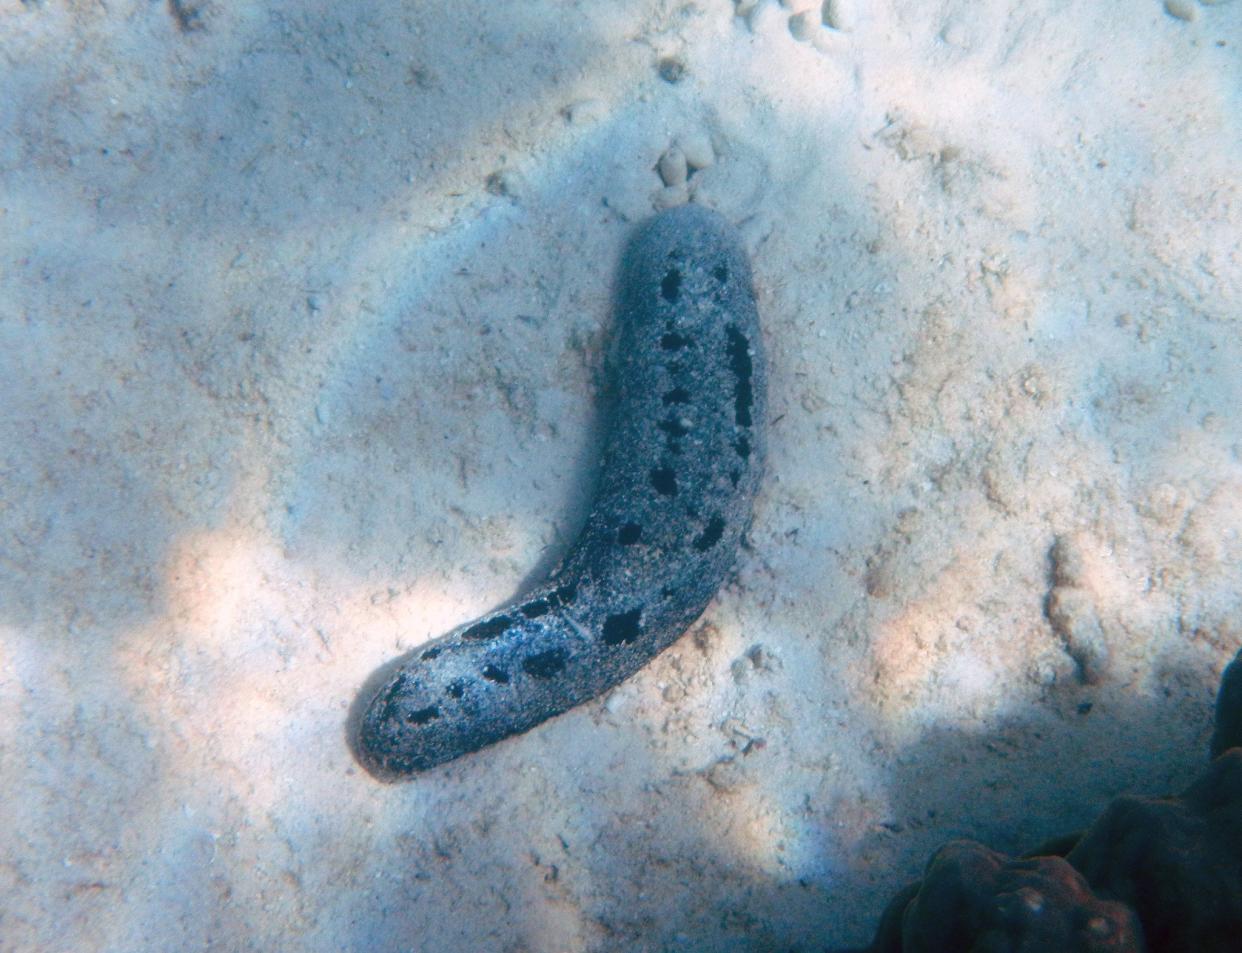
point(697, 148)
point(672, 166)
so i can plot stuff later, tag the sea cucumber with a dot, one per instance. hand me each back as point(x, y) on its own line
point(681, 465)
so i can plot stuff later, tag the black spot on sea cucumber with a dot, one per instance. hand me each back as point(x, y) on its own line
point(545, 664)
point(389, 698)
point(742, 446)
point(672, 341)
point(561, 596)
point(488, 629)
point(494, 674)
point(670, 287)
point(423, 715)
point(743, 370)
point(721, 273)
point(535, 608)
point(664, 480)
point(431, 653)
point(456, 689)
point(678, 395)
point(623, 627)
point(629, 534)
point(711, 534)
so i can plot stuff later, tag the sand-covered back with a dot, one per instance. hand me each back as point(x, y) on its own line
point(305, 312)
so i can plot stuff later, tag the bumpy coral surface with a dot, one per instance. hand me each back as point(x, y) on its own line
point(1151, 875)
point(1176, 861)
point(973, 898)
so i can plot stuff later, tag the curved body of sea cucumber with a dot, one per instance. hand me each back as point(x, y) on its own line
point(681, 465)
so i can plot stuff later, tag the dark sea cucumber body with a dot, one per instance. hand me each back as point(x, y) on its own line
point(680, 469)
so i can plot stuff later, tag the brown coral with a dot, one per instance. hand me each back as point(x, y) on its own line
point(1176, 861)
point(1152, 875)
point(975, 899)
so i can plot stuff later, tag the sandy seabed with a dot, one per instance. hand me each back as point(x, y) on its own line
point(304, 310)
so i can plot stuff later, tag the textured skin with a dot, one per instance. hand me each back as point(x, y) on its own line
point(681, 465)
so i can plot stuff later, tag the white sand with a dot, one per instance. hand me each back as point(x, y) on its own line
point(303, 313)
